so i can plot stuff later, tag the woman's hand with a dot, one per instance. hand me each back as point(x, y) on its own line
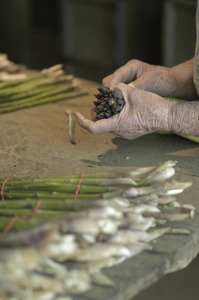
point(143, 113)
point(176, 82)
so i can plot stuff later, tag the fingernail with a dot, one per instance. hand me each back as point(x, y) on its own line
point(132, 85)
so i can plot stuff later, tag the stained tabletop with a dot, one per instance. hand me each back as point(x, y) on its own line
point(35, 142)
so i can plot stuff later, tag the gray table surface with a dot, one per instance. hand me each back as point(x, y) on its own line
point(35, 142)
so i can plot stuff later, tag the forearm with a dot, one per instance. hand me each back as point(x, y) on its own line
point(184, 85)
point(184, 118)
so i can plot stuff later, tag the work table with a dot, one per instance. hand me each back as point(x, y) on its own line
point(35, 142)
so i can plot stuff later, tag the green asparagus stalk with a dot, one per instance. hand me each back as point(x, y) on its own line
point(56, 195)
point(28, 213)
point(48, 232)
point(49, 93)
point(40, 92)
point(50, 85)
point(58, 204)
point(63, 188)
point(14, 83)
point(92, 192)
point(26, 86)
point(103, 178)
point(71, 126)
point(129, 178)
point(66, 187)
point(60, 97)
point(87, 180)
point(34, 84)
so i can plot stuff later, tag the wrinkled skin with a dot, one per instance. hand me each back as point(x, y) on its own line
point(176, 82)
point(138, 117)
point(145, 109)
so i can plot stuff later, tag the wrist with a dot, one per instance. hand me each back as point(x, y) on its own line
point(182, 75)
point(164, 115)
point(171, 115)
point(183, 118)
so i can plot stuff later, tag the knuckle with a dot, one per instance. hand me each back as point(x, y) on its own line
point(116, 74)
point(133, 61)
point(106, 79)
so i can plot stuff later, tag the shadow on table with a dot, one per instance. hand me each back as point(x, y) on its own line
point(149, 150)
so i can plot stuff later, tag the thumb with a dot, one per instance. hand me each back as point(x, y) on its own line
point(126, 90)
point(100, 126)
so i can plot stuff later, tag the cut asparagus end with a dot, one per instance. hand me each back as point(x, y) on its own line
point(107, 103)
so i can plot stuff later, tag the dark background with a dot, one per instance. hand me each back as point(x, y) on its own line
point(94, 37)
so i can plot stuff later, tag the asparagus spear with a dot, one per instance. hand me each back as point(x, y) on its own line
point(76, 238)
point(50, 85)
point(60, 97)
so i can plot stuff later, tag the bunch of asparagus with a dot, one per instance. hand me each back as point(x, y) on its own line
point(108, 103)
point(50, 85)
point(59, 233)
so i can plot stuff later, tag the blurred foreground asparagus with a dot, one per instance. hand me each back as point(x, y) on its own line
point(49, 85)
point(58, 233)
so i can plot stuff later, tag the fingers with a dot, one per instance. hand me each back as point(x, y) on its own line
point(104, 125)
point(127, 73)
point(120, 75)
point(83, 122)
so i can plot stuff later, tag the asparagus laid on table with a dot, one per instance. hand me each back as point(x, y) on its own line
point(50, 85)
point(58, 233)
point(25, 104)
point(71, 126)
